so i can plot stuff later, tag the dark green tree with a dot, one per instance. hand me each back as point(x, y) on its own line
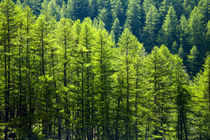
point(116, 29)
point(78, 9)
point(93, 6)
point(184, 34)
point(192, 61)
point(105, 14)
point(151, 27)
point(168, 33)
point(118, 11)
point(133, 20)
point(196, 28)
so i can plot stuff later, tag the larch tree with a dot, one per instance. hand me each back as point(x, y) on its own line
point(41, 48)
point(147, 5)
point(66, 41)
point(201, 106)
point(203, 6)
point(128, 45)
point(159, 94)
point(8, 33)
point(29, 21)
point(93, 12)
point(180, 89)
point(105, 14)
point(103, 90)
point(86, 43)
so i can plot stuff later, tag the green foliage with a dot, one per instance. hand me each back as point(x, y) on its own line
point(151, 27)
point(116, 29)
point(169, 28)
point(105, 15)
point(192, 58)
point(184, 33)
point(200, 93)
point(133, 21)
point(63, 78)
point(196, 27)
point(118, 11)
point(158, 66)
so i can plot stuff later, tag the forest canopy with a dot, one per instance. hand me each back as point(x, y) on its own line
point(104, 69)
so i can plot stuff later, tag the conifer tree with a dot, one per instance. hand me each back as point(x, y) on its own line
point(105, 14)
point(180, 83)
point(181, 52)
point(201, 98)
point(128, 44)
point(203, 6)
point(174, 48)
point(103, 71)
point(168, 33)
point(184, 33)
point(188, 6)
point(42, 29)
point(86, 42)
point(147, 4)
point(139, 120)
point(118, 11)
point(93, 5)
point(8, 32)
point(116, 29)
point(151, 27)
point(196, 28)
point(158, 65)
point(78, 9)
point(66, 42)
point(192, 61)
point(29, 21)
point(134, 21)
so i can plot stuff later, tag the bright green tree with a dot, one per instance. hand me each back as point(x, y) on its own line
point(203, 6)
point(42, 44)
point(66, 41)
point(102, 62)
point(9, 26)
point(128, 45)
point(86, 42)
point(180, 83)
point(201, 107)
point(160, 114)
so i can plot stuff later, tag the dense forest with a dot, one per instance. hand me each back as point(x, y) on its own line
point(104, 69)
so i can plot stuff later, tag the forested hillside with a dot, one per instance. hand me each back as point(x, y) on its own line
point(104, 69)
